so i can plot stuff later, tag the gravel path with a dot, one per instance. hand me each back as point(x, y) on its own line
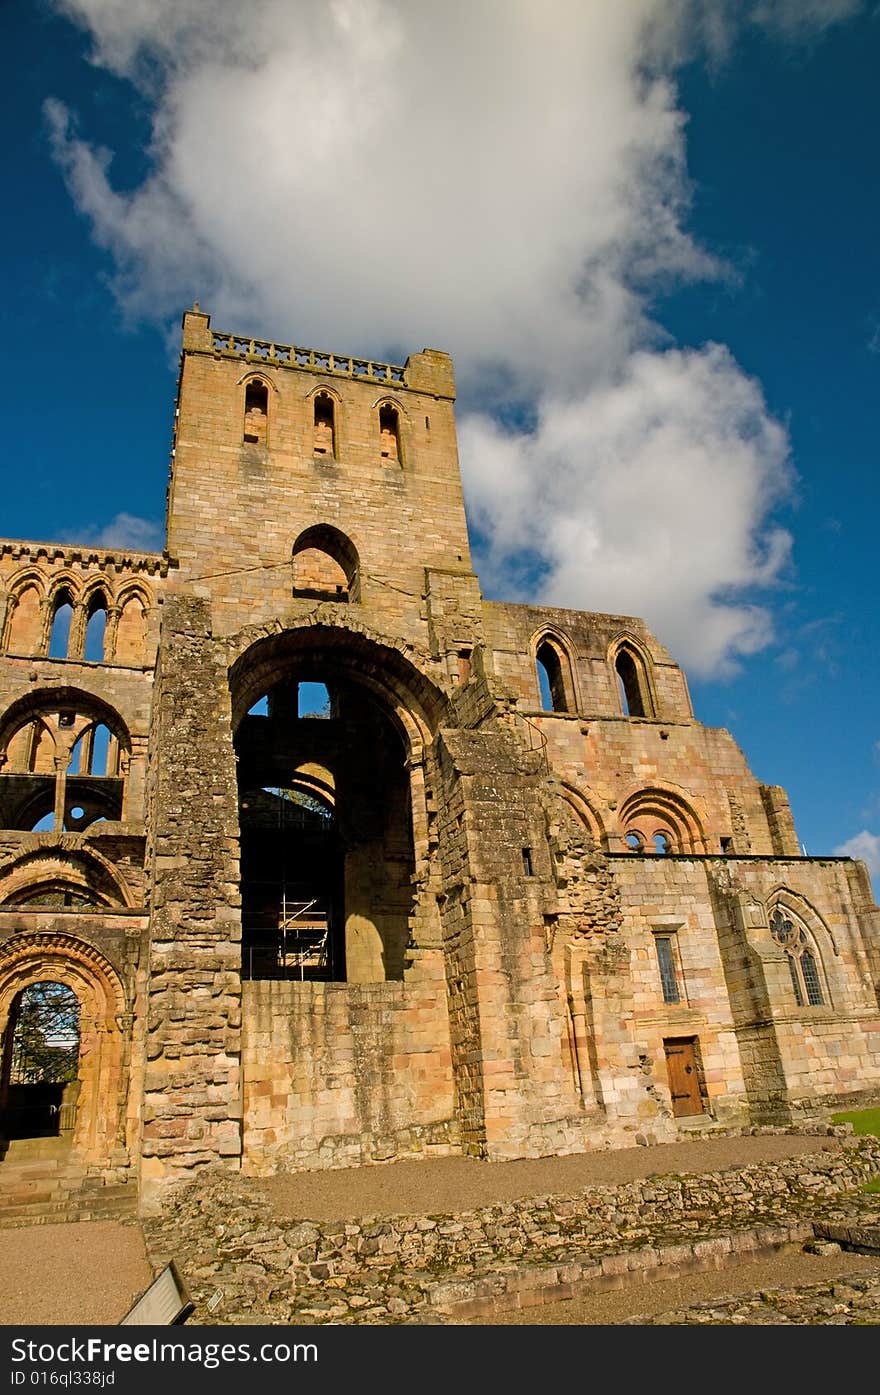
point(86, 1273)
point(436, 1186)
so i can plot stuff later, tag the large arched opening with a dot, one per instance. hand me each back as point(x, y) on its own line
point(329, 736)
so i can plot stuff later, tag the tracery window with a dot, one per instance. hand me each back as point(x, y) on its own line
point(802, 965)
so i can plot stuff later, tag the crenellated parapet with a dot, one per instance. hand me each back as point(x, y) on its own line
point(428, 371)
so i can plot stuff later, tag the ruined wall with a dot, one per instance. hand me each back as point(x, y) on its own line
point(316, 532)
point(587, 642)
point(608, 757)
point(72, 897)
point(34, 576)
point(336, 1074)
point(516, 1094)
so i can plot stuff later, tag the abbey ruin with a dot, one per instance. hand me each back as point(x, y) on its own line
point(323, 859)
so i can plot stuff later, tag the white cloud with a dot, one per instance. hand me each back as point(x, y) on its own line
point(798, 19)
point(508, 182)
point(124, 532)
point(865, 846)
point(643, 496)
point(370, 173)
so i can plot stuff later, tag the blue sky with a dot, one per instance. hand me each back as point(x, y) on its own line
point(650, 248)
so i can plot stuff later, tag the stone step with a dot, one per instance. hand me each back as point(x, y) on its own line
point(54, 1189)
point(109, 1203)
point(12, 1176)
point(36, 1150)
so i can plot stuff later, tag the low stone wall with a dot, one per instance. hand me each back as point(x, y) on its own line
point(223, 1235)
point(850, 1301)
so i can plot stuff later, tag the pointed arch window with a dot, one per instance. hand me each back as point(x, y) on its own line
point(96, 629)
point(551, 666)
point(632, 681)
point(25, 624)
point(62, 617)
point(802, 960)
point(95, 753)
point(130, 646)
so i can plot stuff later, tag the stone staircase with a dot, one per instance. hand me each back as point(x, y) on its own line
point(40, 1183)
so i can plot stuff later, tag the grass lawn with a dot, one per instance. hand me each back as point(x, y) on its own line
point(862, 1120)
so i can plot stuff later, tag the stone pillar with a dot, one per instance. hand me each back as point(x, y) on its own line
point(780, 821)
point(113, 614)
point(7, 611)
point(133, 807)
point(61, 764)
point(46, 617)
point(77, 638)
point(192, 1085)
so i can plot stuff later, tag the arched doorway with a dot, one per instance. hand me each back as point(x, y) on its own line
point(41, 1063)
point(62, 1005)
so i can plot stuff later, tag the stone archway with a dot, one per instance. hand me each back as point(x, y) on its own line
point(333, 815)
point(97, 1130)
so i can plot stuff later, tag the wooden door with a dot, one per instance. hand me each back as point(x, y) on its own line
point(681, 1063)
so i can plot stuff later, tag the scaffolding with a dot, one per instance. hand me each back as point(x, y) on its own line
point(303, 938)
point(287, 918)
